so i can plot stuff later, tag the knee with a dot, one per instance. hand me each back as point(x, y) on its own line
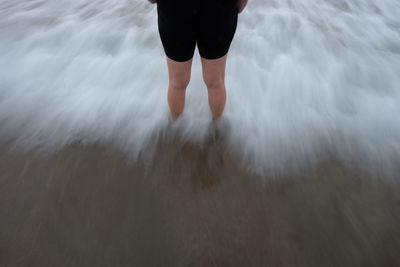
point(179, 84)
point(214, 83)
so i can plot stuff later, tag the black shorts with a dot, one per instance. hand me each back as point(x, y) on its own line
point(209, 23)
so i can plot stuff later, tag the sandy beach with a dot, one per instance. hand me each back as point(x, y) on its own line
point(88, 206)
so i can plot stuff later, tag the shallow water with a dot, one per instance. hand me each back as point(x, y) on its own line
point(92, 173)
point(305, 79)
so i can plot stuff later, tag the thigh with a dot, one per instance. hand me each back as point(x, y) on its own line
point(214, 70)
point(179, 72)
point(176, 29)
point(216, 29)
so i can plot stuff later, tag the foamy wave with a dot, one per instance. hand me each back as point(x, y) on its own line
point(305, 79)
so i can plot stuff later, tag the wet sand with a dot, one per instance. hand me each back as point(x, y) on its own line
point(88, 206)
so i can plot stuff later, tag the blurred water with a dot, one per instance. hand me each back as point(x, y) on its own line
point(312, 85)
point(306, 80)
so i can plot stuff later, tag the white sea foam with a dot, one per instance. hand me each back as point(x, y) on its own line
point(304, 78)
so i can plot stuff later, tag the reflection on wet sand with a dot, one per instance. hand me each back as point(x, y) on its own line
point(190, 206)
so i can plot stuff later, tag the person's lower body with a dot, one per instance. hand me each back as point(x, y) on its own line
point(209, 24)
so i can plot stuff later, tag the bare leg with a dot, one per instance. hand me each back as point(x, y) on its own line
point(214, 78)
point(179, 78)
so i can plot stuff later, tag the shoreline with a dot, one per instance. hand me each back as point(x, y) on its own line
point(86, 206)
